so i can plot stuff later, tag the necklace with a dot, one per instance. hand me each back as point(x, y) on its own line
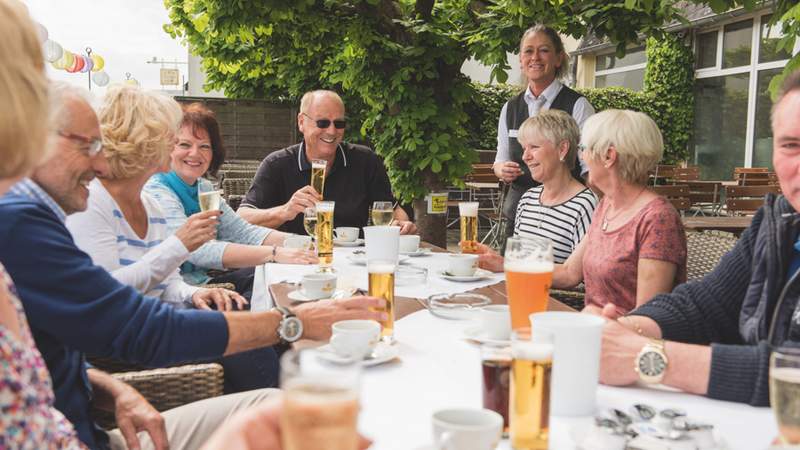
point(607, 219)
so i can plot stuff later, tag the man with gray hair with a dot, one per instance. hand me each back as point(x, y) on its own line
point(75, 307)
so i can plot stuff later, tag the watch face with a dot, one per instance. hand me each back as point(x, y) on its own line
point(652, 364)
point(292, 328)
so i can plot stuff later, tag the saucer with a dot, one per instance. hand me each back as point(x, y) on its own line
point(361, 259)
point(341, 243)
point(422, 251)
point(298, 296)
point(480, 274)
point(383, 352)
point(478, 334)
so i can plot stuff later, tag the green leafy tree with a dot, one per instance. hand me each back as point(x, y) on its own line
point(396, 62)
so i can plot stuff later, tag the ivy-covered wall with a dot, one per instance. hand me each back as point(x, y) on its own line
point(668, 97)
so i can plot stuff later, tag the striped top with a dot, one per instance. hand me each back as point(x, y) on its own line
point(564, 224)
point(149, 264)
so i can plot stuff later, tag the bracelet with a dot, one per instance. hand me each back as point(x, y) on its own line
point(635, 325)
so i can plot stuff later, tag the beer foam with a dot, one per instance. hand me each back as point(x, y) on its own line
point(380, 268)
point(468, 209)
point(325, 206)
point(528, 266)
point(532, 351)
point(318, 165)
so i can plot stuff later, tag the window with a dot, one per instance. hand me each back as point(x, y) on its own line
point(707, 50)
point(736, 42)
point(627, 71)
point(762, 139)
point(770, 36)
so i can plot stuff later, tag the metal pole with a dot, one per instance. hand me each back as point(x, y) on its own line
point(89, 72)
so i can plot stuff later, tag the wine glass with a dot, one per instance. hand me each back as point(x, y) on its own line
point(310, 223)
point(382, 213)
point(784, 393)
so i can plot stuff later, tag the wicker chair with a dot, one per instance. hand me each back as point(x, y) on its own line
point(574, 298)
point(238, 173)
point(236, 186)
point(704, 250)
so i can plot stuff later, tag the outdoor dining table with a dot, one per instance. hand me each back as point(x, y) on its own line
point(439, 367)
point(731, 224)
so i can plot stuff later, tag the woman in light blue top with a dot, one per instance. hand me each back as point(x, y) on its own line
point(238, 245)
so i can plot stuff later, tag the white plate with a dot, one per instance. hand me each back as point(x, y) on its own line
point(383, 352)
point(361, 259)
point(298, 296)
point(478, 334)
point(341, 243)
point(480, 274)
point(420, 252)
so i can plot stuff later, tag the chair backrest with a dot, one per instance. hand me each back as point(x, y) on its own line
point(681, 174)
point(482, 173)
point(745, 200)
point(237, 173)
point(704, 250)
point(236, 186)
point(754, 176)
point(677, 194)
point(661, 172)
point(704, 192)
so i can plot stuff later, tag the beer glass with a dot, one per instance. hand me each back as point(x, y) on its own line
point(784, 393)
point(468, 211)
point(210, 198)
point(495, 372)
point(529, 400)
point(528, 265)
point(318, 175)
point(382, 213)
point(381, 285)
point(324, 233)
point(320, 401)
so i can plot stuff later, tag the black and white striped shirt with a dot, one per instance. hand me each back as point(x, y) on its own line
point(564, 224)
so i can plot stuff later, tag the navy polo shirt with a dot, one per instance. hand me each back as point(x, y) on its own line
point(357, 179)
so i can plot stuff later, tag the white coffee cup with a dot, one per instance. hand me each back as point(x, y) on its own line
point(355, 338)
point(382, 242)
point(496, 322)
point(301, 242)
point(576, 359)
point(318, 285)
point(463, 265)
point(346, 234)
point(466, 429)
point(409, 243)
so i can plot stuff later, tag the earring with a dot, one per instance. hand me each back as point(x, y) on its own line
point(561, 159)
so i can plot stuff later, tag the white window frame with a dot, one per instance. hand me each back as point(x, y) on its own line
point(752, 69)
point(631, 68)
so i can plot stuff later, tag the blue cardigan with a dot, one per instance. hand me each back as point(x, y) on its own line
point(75, 307)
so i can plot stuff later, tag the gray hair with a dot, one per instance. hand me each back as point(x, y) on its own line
point(308, 98)
point(61, 94)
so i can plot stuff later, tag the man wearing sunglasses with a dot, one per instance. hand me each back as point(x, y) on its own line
point(355, 176)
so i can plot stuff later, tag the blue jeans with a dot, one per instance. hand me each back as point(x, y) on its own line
point(253, 369)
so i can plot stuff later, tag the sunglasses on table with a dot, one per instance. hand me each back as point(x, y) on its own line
point(91, 146)
point(325, 123)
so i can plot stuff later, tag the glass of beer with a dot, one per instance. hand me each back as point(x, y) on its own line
point(529, 404)
point(528, 265)
point(324, 234)
point(320, 402)
point(381, 284)
point(318, 175)
point(468, 211)
point(495, 372)
point(382, 213)
point(784, 393)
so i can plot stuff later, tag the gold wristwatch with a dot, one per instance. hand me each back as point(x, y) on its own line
point(651, 362)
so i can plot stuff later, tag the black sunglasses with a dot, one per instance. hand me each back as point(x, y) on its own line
point(325, 123)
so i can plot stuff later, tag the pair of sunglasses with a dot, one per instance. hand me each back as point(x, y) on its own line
point(325, 123)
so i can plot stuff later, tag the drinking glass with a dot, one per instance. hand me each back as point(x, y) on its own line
point(382, 213)
point(784, 393)
point(318, 175)
point(324, 233)
point(529, 392)
point(529, 266)
point(468, 212)
point(209, 197)
point(381, 285)
point(320, 402)
point(310, 222)
point(495, 372)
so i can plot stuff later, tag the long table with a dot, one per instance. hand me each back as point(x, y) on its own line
point(731, 224)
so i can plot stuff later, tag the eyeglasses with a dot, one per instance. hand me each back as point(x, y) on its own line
point(581, 148)
point(325, 123)
point(92, 145)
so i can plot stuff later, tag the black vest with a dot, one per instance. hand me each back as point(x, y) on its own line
point(516, 113)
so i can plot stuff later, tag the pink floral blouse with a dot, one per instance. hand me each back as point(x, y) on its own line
point(28, 418)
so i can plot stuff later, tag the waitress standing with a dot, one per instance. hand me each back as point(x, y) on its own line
point(543, 61)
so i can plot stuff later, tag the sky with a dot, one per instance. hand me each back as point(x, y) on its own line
point(125, 33)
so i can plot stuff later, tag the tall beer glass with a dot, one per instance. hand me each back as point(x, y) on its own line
point(529, 272)
point(320, 402)
point(469, 226)
point(784, 393)
point(324, 232)
point(382, 213)
point(318, 175)
point(529, 407)
point(381, 284)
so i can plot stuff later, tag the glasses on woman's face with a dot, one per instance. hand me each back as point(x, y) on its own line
point(325, 123)
point(91, 146)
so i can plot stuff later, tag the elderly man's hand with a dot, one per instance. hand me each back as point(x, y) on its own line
point(135, 414)
point(619, 350)
point(406, 226)
point(303, 198)
point(317, 317)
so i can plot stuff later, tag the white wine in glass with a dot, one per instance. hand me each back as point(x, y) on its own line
point(210, 200)
point(784, 393)
point(382, 213)
point(310, 221)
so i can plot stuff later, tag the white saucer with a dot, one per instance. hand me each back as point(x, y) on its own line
point(478, 334)
point(341, 243)
point(383, 352)
point(361, 259)
point(480, 274)
point(422, 251)
point(298, 296)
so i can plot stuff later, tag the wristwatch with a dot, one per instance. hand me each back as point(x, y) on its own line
point(651, 362)
point(291, 328)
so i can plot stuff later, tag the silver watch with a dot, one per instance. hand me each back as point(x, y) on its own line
point(291, 327)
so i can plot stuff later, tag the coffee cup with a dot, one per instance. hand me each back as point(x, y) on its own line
point(318, 285)
point(496, 322)
point(466, 429)
point(409, 243)
point(301, 242)
point(463, 265)
point(355, 338)
point(346, 234)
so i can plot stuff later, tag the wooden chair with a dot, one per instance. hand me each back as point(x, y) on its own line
point(680, 175)
point(745, 200)
point(704, 250)
point(677, 194)
point(661, 174)
point(705, 197)
point(754, 176)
